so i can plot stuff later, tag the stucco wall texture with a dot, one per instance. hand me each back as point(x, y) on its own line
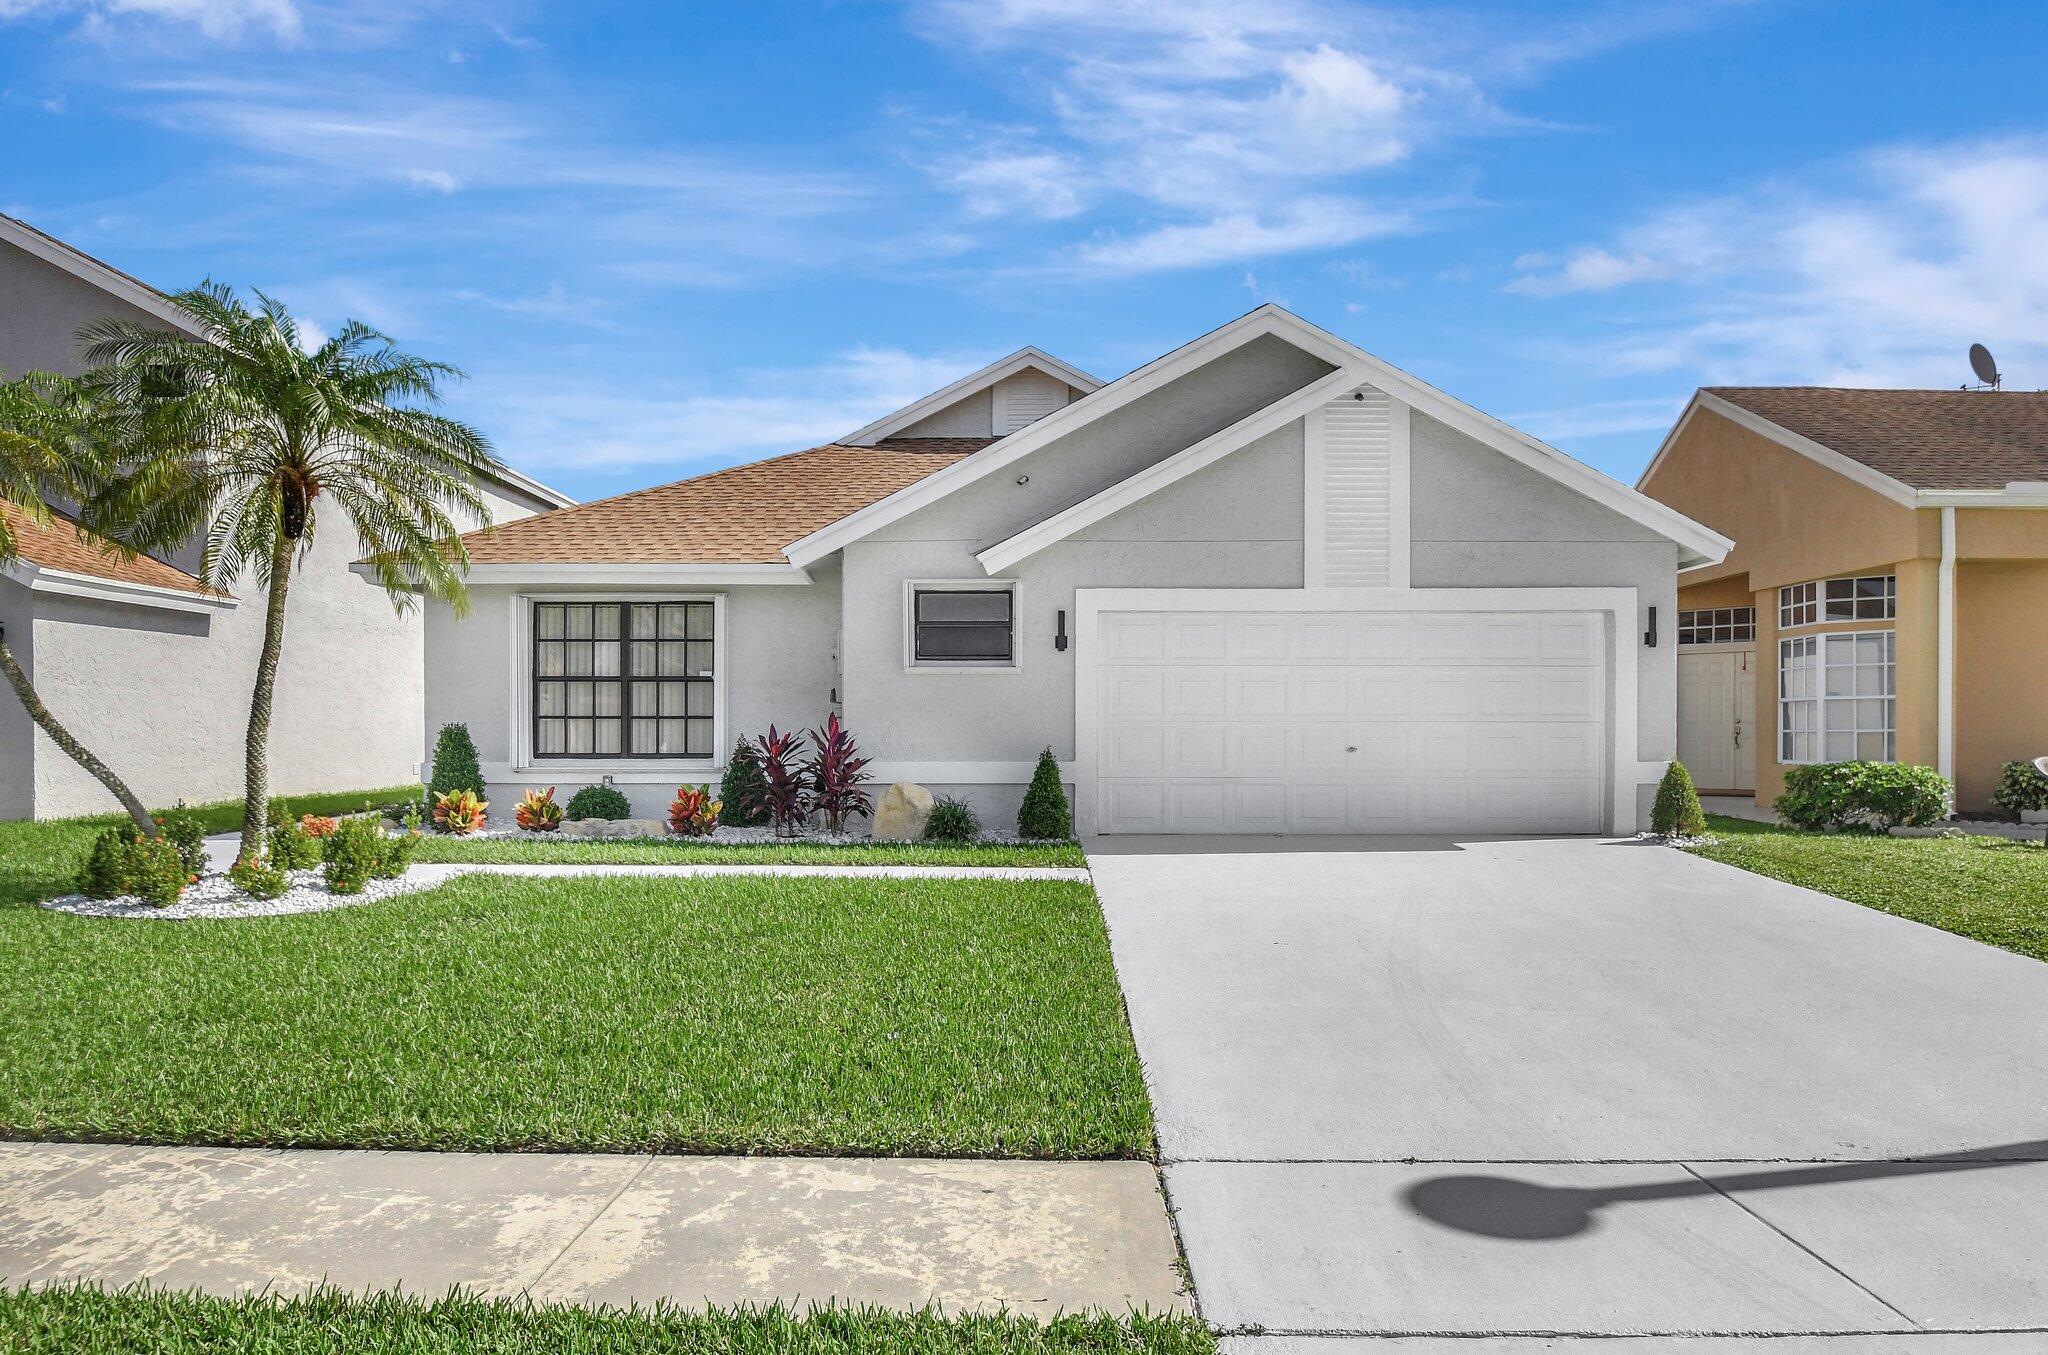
point(164, 696)
point(1794, 520)
point(1478, 519)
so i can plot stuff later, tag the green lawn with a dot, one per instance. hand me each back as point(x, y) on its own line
point(41, 858)
point(736, 1014)
point(685, 852)
point(1989, 889)
point(85, 1321)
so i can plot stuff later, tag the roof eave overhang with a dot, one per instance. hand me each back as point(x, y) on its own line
point(110, 280)
point(70, 583)
point(626, 574)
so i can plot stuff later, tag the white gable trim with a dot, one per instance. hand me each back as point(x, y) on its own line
point(1699, 544)
point(39, 579)
point(1171, 470)
point(968, 385)
point(110, 280)
point(1898, 491)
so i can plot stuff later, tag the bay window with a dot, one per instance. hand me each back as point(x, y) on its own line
point(1836, 697)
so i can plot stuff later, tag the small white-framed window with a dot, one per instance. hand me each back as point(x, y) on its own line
point(1717, 626)
point(1867, 597)
point(960, 624)
point(1836, 697)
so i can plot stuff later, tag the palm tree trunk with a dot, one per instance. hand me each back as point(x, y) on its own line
point(256, 753)
point(73, 749)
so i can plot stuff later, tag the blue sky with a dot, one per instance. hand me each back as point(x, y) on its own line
point(667, 237)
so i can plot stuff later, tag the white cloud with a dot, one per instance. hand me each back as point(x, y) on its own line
point(1590, 269)
point(217, 19)
point(1039, 184)
point(1307, 223)
point(1878, 272)
point(592, 426)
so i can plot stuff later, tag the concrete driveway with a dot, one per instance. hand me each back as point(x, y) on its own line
point(1547, 1090)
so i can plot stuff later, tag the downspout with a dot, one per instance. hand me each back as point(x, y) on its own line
point(1945, 651)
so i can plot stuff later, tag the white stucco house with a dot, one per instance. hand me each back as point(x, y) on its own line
point(1266, 583)
point(151, 670)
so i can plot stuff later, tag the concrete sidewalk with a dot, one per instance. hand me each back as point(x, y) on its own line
point(1036, 1237)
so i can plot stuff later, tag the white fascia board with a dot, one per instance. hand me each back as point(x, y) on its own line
point(2018, 494)
point(108, 279)
point(810, 549)
point(1700, 543)
point(1697, 543)
point(632, 575)
point(531, 487)
point(1174, 468)
point(38, 579)
point(1898, 491)
point(969, 385)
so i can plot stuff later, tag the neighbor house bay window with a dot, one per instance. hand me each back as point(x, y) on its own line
point(1835, 698)
point(623, 679)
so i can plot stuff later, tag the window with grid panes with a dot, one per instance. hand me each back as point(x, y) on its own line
point(623, 679)
point(1717, 626)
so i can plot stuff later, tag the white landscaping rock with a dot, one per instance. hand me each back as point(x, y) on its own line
point(904, 810)
point(216, 896)
point(587, 828)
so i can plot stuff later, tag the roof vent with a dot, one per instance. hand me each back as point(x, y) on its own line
point(1024, 398)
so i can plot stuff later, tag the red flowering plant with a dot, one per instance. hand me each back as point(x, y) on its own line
point(837, 773)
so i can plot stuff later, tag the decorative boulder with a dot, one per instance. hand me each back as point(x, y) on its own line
point(901, 814)
point(614, 828)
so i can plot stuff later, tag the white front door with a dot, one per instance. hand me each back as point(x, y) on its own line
point(1716, 706)
point(1351, 722)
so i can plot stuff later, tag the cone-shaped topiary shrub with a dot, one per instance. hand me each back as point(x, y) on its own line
point(1045, 813)
point(455, 764)
point(743, 793)
point(1677, 811)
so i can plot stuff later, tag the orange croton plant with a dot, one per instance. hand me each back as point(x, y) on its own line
point(460, 812)
point(693, 813)
point(537, 811)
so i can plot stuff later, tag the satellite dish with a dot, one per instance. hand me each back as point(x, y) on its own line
point(1983, 366)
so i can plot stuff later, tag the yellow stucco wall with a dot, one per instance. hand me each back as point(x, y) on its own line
point(1793, 519)
point(2001, 669)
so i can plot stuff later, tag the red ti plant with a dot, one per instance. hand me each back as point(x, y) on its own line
point(837, 771)
point(787, 797)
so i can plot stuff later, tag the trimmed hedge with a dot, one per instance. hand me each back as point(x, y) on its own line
point(1829, 796)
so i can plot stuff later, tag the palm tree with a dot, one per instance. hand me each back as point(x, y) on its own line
point(52, 445)
point(249, 433)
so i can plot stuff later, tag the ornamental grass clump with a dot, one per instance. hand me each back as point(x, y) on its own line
point(1677, 811)
point(460, 812)
point(537, 811)
point(693, 813)
point(952, 820)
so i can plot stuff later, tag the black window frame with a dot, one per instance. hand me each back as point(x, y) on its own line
point(918, 593)
point(629, 683)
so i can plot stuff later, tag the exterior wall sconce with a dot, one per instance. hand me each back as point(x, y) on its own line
point(1650, 635)
point(1059, 640)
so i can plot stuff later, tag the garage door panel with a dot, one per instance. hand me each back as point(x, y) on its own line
point(1357, 722)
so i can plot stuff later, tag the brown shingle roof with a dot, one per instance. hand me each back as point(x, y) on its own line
point(62, 544)
point(744, 515)
point(1929, 439)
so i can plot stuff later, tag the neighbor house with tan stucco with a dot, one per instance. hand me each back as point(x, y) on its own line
point(1887, 597)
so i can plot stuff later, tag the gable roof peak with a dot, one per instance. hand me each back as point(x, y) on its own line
point(1025, 358)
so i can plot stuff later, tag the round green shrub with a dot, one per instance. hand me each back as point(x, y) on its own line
point(157, 873)
point(600, 802)
point(259, 879)
point(2021, 786)
point(355, 853)
point(952, 821)
point(1830, 796)
point(1676, 812)
point(187, 832)
point(108, 868)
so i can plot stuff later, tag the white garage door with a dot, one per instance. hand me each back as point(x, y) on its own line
point(1352, 722)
